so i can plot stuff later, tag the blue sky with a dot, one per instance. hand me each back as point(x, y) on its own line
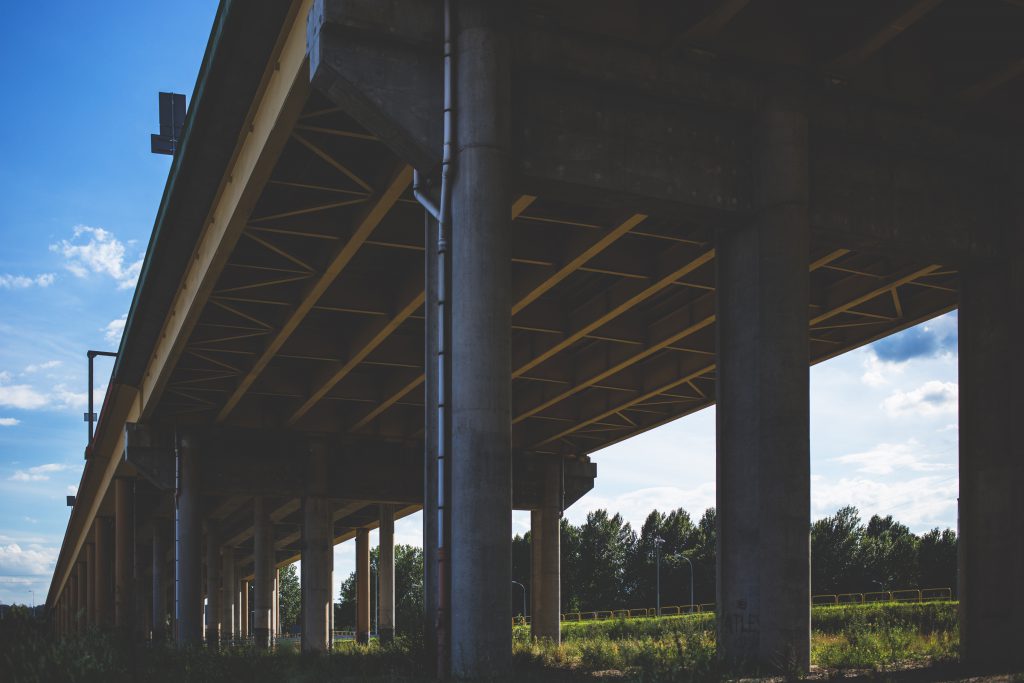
point(79, 191)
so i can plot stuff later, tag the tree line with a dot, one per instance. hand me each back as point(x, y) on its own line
point(606, 564)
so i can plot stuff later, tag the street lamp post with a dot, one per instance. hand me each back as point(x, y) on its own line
point(658, 542)
point(691, 580)
point(524, 597)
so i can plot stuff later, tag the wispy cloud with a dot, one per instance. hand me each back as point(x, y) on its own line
point(22, 397)
point(8, 281)
point(39, 472)
point(95, 250)
point(36, 367)
point(920, 502)
point(929, 399)
point(9, 422)
point(29, 397)
point(887, 458)
point(114, 329)
point(32, 560)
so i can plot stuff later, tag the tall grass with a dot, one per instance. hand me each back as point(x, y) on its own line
point(674, 648)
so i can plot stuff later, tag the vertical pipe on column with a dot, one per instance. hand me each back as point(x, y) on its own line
point(263, 579)
point(159, 606)
point(275, 629)
point(213, 588)
point(481, 618)
point(362, 585)
point(243, 611)
point(433, 433)
point(763, 490)
point(386, 575)
point(317, 553)
point(123, 549)
point(229, 595)
point(90, 584)
point(188, 559)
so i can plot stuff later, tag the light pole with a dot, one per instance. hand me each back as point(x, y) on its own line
point(691, 579)
point(658, 542)
point(524, 597)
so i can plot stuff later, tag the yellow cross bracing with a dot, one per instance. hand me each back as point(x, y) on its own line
point(314, 318)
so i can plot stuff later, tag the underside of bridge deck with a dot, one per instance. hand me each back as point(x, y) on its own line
point(660, 206)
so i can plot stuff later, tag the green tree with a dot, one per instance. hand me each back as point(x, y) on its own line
point(888, 555)
point(289, 597)
point(605, 546)
point(937, 559)
point(835, 543)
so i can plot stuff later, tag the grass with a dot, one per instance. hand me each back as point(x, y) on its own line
point(876, 637)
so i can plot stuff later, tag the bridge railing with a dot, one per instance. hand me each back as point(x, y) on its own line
point(903, 595)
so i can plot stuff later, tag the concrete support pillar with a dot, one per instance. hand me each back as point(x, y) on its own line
point(386, 575)
point(103, 540)
point(763, 491)
point(317, 554)
point(124, 507)
point(481, 491)
point(229, 595)
point(362, 586)
point(546, 561)
point(991, 520)
point(189, 598)
point(73, 598)
point(263, 579)
point(213, 587)
point(243, 611)
point(158, 609)
point(90, 584)
point(536, 550)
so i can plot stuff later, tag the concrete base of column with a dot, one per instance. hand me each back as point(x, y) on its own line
point(545, 579)
point(317, 558)
point(386, 576)
point(264, 574)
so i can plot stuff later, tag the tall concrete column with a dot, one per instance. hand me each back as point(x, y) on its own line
point(158, 610)
point(362, 586)
point(991, 544)
point(263, 579)
point(243, 611)
point(73, 599)
point(103, 540)
point(536, 551)
point(386, 575)
point(481, 495)
point(124, 545)
point(213, 587)
point(317, 553)
point(763, 491)
point(547, 579)
point(189, 601)
point(90, 584)
point(229, 595)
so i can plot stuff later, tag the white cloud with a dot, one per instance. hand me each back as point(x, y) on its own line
point(634, 506)
point(878, 372)
point(114, 329)
point(921, 503)
point(102, 253)
point(21, 396)
point(9, 422)
point(887, 458)
point(30, 520)
point(36, 367)
point(24, 282)
point(32, 560)
point(931, 398)
point(73, 490)
point(39, 472)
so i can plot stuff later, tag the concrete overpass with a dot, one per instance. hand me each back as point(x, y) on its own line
point(644, 210)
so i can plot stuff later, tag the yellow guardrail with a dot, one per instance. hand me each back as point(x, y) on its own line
point(903, 595)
